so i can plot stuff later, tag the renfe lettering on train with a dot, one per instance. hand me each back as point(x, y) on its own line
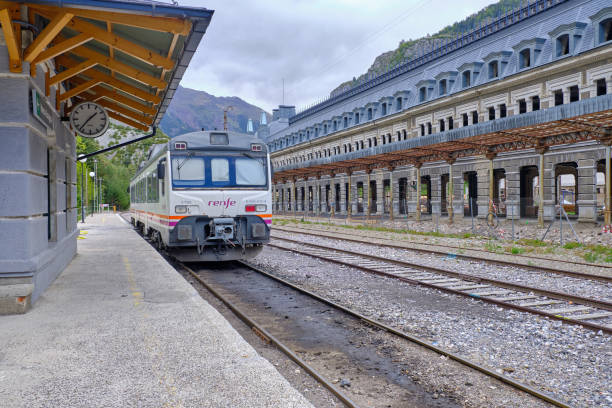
point(225, 203)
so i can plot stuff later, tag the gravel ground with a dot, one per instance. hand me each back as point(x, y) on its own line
point(524, 229)
point(548, 281)
point(570, 362)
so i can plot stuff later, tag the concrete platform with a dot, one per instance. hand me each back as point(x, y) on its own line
point(121, 328)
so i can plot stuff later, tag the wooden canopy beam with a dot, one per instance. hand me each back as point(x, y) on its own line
point(122, 86)
point(117, 97)
point(126, 112)
point(164, 24)
point(128, 121)
point(72, 70)
point(78, 89)
point(119, 67)
point(57, 23)
point(62, 47)
point(10, 38)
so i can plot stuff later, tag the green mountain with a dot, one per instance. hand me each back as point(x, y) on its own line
point(408, 49)
point(192, 110)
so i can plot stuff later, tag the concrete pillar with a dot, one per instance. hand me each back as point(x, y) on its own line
point(548, 191)
point(366, 192)
point(323, 187)
point(587, 190)
point(457, 194)
point(418, 192)
point(450, 199)
point(436, 194)
point(294, 194)
point(608, 198)
point(491, 190)
point(332, 195)
point(541, 189)
point(392, 197)
point(352, 195)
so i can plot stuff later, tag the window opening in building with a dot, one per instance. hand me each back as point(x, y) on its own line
point(443, 87)
point(422, 129)
point(574, 94)
point(383, 109)
point(558, 97)
point(335, 125)
point(356, 146)
point(384, 139)
point(398, 104)
point(491, 113)
point(522, 106)
point(562, 45)
point(465, 119)
point(429, 128)
point(345, 123)
point(316, 132)
point(502, 110)
point(450, 123)
point(350, 147)
point(422, 94)
point(325, 129)
point(605, 30)
point(369, 142)
point(357, 118)
point(375, 141)
point(535, 103)
point(474, 117)
point(466, 79)
point(493, 69)
point(361, 144)
point(441, 124)
point(369, 113)
point(525, 58)
point(601, 86)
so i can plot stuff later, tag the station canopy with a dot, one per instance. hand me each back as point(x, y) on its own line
point(128, 56)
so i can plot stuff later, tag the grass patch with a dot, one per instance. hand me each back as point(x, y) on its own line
point(492, 246)
point(572, 245)
point(516, 250)
point(591, 257)
point(532, 242)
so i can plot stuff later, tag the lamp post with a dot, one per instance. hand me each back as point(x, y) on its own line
point(82, 196)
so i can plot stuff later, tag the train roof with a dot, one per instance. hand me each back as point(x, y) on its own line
point(218, 140)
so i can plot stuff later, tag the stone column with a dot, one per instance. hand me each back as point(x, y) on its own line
point(457, 193)
point(294, 194)
point(586, 189)
point(484, 177)
point(418, 191)
point(392, 204)
point(436, 194)
point(343, 195)
point(332, 195)
point(491, 191)
point(513, 192)
point(547, 195)
point(608, 198)
point(380, 193)
point(323, 199)
point(541, 187)
point(366, 192)
point(353, 195)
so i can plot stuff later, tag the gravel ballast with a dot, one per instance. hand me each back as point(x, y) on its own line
point(570, 362)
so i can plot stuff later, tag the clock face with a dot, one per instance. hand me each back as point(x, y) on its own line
point(89, 119)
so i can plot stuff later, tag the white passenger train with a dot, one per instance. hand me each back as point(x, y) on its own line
point(205, 196)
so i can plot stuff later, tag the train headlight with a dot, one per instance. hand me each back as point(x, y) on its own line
point(260, 207)
point(180, 209)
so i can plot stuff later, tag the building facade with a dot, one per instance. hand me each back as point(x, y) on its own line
point(493, 120)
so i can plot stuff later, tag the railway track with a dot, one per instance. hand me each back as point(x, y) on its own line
point(555, 266)
point(368, 322)
point(568, 308)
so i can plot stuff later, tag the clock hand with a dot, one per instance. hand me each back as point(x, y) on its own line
point(88, 119)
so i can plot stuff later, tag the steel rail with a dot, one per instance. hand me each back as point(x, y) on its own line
point(261, 331)
point(464, 256)
point(376, 323)
point(520, 288)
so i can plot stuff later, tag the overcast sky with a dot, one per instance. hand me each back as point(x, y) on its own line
point(315, 45)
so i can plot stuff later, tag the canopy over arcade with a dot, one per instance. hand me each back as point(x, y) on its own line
point(129, 56)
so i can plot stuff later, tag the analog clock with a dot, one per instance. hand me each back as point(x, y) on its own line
point(89, 119)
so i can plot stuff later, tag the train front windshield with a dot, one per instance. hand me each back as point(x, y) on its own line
point(226, 171)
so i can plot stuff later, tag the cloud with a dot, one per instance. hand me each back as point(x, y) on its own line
point(250, 46)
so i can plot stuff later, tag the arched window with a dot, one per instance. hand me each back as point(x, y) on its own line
point(370, 142)
point(605, 30)
point(361, 144)
point(441, 122)
point(422, 129)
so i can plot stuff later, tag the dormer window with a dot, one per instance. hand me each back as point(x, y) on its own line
point(493, 69)
point(398, 104)
point(605, 30)
point(525, 58)
point(383, 109)
point(334, 125)
point(369, 113)
point(356, 118)
point(602, 23)
point(466, 79)
point(562, 45)
point(442, 87)
point(316, 132)
point(345, 122)
point(422, 94)
point(325, 129)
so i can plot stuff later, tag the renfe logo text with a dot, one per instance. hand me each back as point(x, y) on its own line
point(225, 204)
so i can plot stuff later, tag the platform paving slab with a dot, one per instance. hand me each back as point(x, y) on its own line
point(121, 328)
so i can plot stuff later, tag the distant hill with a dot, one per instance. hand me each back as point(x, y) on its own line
point(408, 49)
point(192, 110)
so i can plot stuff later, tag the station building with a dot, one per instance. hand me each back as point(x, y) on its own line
point(129, 57)
point(513, 117)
